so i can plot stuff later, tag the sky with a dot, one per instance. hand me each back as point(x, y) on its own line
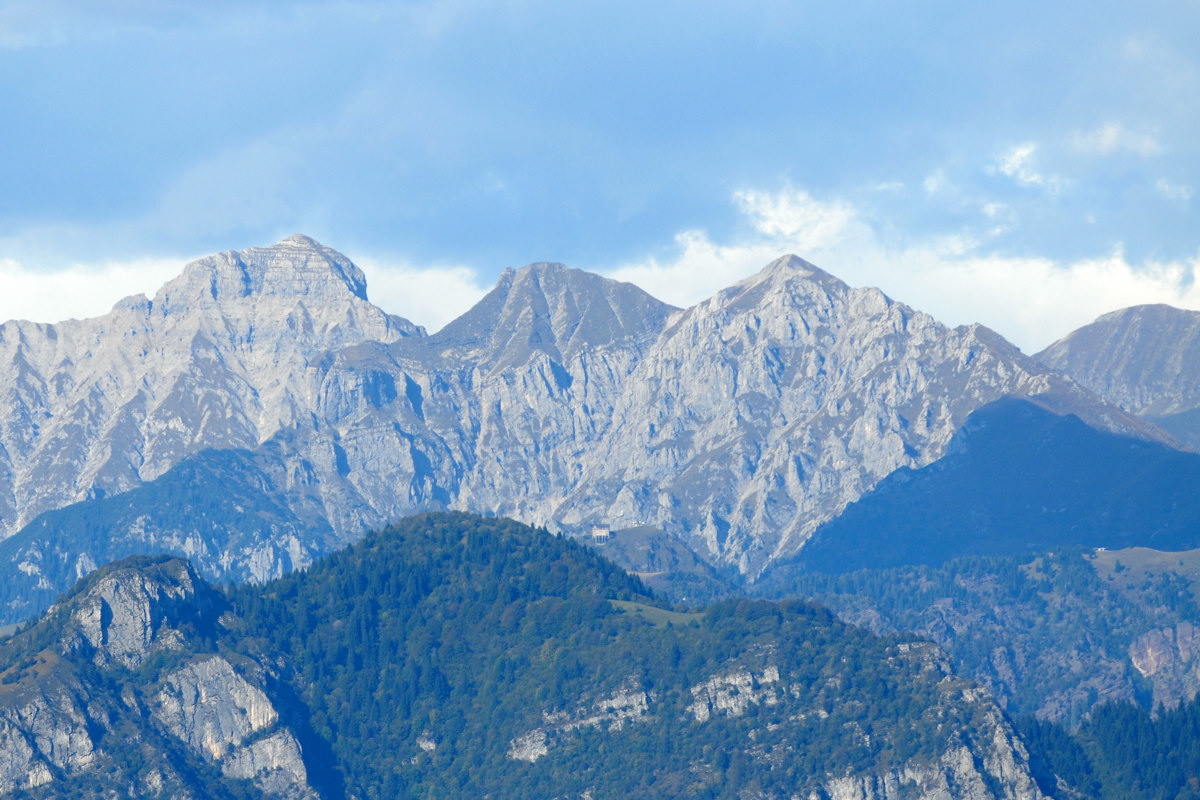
point(1027, 166)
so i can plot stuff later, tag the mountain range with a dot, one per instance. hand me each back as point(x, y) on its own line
point(789, 437)
point(260, 411)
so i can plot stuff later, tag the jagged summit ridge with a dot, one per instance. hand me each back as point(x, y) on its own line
point(226, 355)
point(776, 402)
point(561, 399)
point(1145, 359)
point(312, 286)
point(294, 267)
point(554, 309)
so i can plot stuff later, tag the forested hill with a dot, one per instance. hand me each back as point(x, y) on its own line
point(485, 660)
point(460, 656)
point(1053, 634)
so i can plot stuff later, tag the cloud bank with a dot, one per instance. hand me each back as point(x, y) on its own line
point(1030, 300)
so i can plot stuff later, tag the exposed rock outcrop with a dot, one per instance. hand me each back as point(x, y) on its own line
point(1168, 657)
point(60, 720)
point(125, 615)
point(985, 761)
point(732, 693)
point(231, 721)
point(611, 713)
point(46, 731)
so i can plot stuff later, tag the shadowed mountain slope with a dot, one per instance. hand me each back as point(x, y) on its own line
point(1018, 478)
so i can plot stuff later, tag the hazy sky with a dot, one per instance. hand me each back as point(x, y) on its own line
point(1026, 165)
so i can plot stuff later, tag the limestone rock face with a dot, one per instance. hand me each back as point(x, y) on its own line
point(61, 721)
point(562, 399)
point(1170, 658)
point(992, 766)
point(48, 731)
point(1145, 359)
point(630, 704)
point(225, 355)
point(127, 614)
point(957, 776)
point(989, 762)
point(216, 711)
point(733, 693)
point(740, 425)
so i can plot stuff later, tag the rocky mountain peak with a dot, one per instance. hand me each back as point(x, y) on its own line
point(785, 286)
point(1144, 359)
point(562, 398)
point(225, 355)
point(125, 612)
point(794, 269)
point(296, 267)
point(554, 309)
point(793, 266)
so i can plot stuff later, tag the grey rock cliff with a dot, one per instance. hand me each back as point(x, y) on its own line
point(46, 731)
point(1145, 359)
point(225, 355)
point(1170, 659)
point(210, 706)
point(59, 721)
point(738, 425)
point(126, 615)
point(562, 399)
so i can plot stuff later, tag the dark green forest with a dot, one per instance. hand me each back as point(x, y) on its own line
point(464, 633)
point(1120, 752)
point(461, 656)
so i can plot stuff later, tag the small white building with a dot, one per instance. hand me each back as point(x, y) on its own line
point(601, 534)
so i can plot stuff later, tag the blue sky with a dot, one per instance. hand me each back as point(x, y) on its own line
point(1023, 165)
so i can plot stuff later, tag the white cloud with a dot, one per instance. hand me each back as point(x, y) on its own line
point(935, 183)
point(429, 296)
point(787, 221)
point(1018, 163)
point(1113, 137)
point(1031, 301)
point(80, 291)
point(796, 216)
point(1174, 191)
point(700, 269)
point(1034, 301)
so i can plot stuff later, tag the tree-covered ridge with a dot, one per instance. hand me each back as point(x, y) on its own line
point(215, 502)
point(427, 656)
point(1049, 634)
point(461, 656)
point(1018, 478)
point(1121, 751)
